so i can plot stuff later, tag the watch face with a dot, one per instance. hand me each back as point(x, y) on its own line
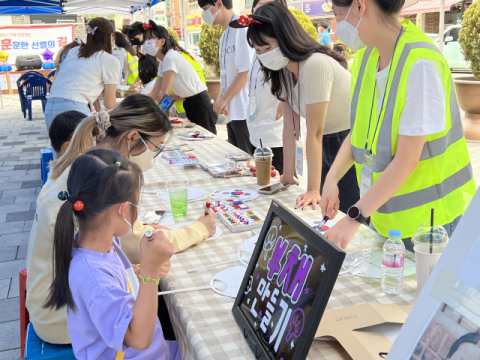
point(353, 212)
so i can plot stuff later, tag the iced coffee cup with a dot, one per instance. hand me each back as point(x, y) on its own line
point(263, 162)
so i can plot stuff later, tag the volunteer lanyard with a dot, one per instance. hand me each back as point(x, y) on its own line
point(291, 99)
point(383, 100)
point(256, 77)
point(225, 42)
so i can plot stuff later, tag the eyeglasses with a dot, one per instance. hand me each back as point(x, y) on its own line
point(158, 149)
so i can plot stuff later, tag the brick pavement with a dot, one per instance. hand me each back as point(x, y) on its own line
point(20, 144)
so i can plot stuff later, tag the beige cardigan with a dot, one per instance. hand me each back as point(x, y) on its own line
point(51, 325)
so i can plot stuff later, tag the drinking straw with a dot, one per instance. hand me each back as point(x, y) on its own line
point(261, 149)
point(431, 231)
point(184, 290)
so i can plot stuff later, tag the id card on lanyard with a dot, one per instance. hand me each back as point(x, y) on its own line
point(223, 72)
point(252, 95)
point(298, 143)
point(368, 161)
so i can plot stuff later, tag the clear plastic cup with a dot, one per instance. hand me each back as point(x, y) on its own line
point(263, 162)
point(428, 244)
point(178, 193)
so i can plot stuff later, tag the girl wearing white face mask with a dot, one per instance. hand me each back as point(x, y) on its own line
point(136, 128)
point(177, 74)
point(407, 140)
point(312, 81)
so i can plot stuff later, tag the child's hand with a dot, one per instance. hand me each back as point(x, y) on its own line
point(209, 223)
point(154, 251)
point(164, 269)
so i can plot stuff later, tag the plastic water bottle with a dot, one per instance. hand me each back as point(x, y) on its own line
point(392, 263)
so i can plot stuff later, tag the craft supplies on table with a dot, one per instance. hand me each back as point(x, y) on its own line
point(218, 207)
point(239, 157)
point(234, 194)
point(244, 220)
point(180, 158)
point(195, 136)
point(225, 170)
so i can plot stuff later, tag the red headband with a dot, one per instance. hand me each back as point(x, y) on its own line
point(246, 20)
point(147, 26)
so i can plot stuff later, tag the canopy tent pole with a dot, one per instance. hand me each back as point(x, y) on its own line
point(441, 25)
point(184, 21)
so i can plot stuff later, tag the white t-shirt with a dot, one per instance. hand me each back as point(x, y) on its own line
point(263, 126)
point(424, 112)
point(322, 79)
point(83, 79)
point(186, 83)
point(120, 55)
point(235, 57)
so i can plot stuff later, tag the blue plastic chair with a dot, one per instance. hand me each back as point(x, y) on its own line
point(47, 156)
point(36, 88)
point(21, 90)
point(36, 348)
point(51, 75)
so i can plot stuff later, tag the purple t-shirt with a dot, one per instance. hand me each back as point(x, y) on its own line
point(104, 308)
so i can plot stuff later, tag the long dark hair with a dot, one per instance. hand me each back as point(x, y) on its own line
point(100, 40)
point(121, 42)
point(294, 42)
point(100, 179)
point(160, 32)
point(387, 7)
point(283, 2)
point(135, 29)
point(136, 112)
point(147, 68)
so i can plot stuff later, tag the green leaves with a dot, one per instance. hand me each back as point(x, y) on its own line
point(470, 37)
point(306, 23)
point(173, 34)
point(209, 45)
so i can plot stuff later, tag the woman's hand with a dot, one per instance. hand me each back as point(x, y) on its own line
point(311, 197)
point(209, 223)
point(330, 202)
point(292, 180)
point(341, 233)
point(220, 105)
point(279, 111)
point(164, 269)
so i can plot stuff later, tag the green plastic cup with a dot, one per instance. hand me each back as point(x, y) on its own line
point(178, 193)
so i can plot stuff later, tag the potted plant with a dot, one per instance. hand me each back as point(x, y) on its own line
point(468, 88)
point(208, 44)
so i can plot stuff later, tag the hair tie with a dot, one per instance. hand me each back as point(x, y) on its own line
point(63, 195)
point(103, 120)
point(90, 30)
point(147, 26)
point(139, 54)
point(78, 205)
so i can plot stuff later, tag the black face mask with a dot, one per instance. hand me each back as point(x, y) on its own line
point(136, 41)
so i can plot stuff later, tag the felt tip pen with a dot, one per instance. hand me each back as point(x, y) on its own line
point(208, 204)
point(321, 223)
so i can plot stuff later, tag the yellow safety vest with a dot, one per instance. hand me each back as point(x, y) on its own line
point(198, 69)
point(443, 178)
point(133, 66)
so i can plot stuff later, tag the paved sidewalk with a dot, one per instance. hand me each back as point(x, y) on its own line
point(20, 144)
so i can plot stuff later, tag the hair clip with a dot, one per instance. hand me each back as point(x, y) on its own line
point(78, 205)
point(139, 54)
point(63, 195)
point(246, 20)
point(90, 30)
point(103, 119)
point(147, 26)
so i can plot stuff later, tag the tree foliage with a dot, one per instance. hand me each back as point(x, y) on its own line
point(173, 34)
point(470, 37)
point(209, 44)
point(306, 23)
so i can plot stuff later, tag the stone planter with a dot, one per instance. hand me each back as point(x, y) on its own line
point(468, 91)
point(214, 87)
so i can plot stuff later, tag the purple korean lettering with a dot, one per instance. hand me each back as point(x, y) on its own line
point(286, 274)
point(273, 265)
point(298, 282)
point(281, 325)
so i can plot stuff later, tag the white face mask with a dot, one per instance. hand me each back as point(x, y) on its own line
point(150, 48)
point(208, 17)
point(273, 59)
point(145, 160)
point(349, 34)
point(227, 282)
point(120, 212)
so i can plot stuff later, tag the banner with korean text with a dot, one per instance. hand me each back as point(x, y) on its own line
point(29, 40)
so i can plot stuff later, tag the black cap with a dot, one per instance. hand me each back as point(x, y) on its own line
point(245, 20)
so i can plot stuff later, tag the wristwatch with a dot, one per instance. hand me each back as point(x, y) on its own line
point(355, 213)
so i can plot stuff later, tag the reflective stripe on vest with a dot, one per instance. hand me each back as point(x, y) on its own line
point(133, 67)
point(430, 150)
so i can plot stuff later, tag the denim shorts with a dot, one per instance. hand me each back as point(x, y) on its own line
point(57, 106)
point(450, 228)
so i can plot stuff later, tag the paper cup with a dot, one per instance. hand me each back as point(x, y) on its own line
point(425, 262)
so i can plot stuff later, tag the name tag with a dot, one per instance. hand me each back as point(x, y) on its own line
point(299, 157)
point(367, 170)
point(252, 108)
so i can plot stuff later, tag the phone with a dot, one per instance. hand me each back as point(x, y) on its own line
point(166, 103)
point(153, 217)
point(272, 189)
